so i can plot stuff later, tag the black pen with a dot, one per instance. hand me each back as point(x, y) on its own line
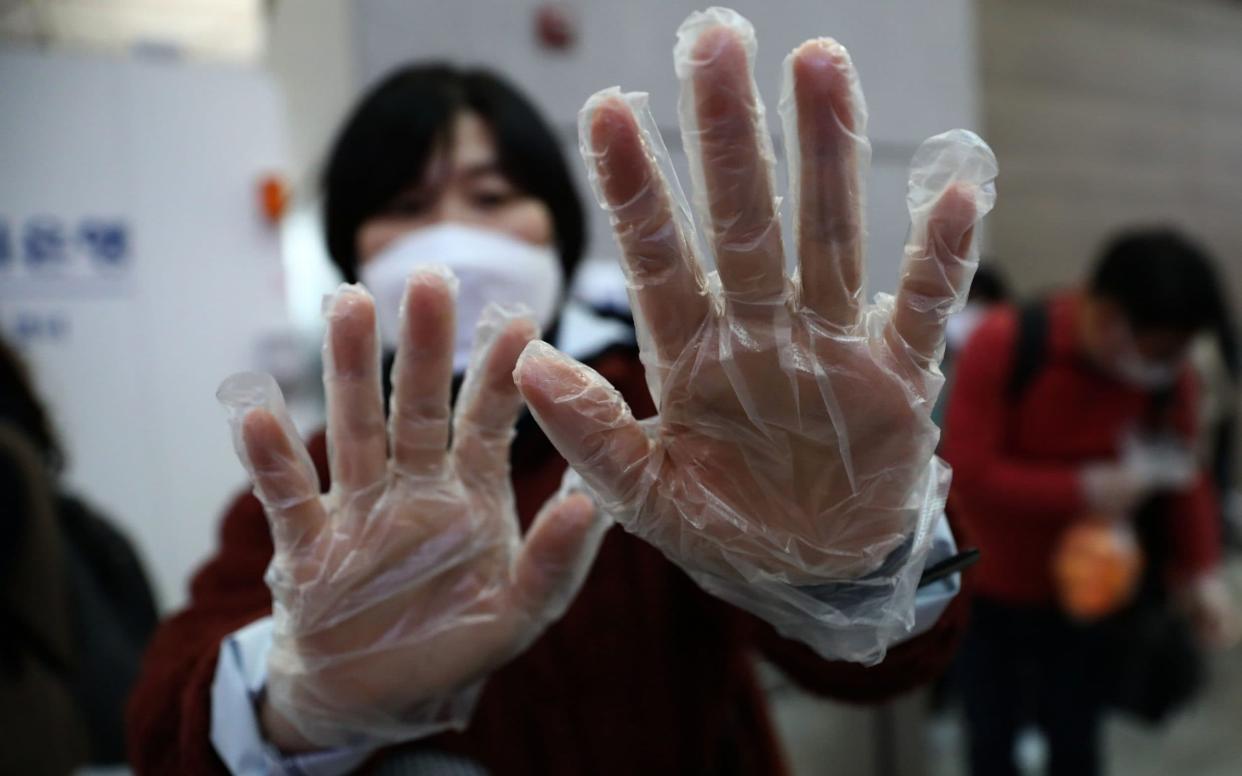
point(949, 566)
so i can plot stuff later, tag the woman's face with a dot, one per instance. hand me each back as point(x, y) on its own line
point(463, 184)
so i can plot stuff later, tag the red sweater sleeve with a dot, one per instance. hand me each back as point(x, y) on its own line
point(975, 427)
point(907, 665)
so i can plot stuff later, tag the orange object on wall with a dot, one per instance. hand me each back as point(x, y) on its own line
point(273, 197)
point(556, 29)
point(1096, 568)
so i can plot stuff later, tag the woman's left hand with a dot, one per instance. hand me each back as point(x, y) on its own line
point(790, 469)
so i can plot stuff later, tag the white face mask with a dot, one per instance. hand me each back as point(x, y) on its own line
point(491, 267)
point(1131, 366)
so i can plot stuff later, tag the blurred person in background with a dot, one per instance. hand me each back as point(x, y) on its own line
point(988, 290)
point(76, 609)
point(1070, 432)
point(645, 671)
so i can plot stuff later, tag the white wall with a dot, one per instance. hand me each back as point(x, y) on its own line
point(1108, 112)
point(129, 355)
point(310, 54)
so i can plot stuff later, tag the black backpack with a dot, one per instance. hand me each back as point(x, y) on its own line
point(1154, 665)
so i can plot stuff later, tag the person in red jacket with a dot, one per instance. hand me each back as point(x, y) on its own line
point(1053, 421)
point(456, 593)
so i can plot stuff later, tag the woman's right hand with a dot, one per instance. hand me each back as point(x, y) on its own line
point(397, 591)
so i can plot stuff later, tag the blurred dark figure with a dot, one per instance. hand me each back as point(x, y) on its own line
point(1070, 430)
point(988, 289)
point(76, 608)
point(989, 285)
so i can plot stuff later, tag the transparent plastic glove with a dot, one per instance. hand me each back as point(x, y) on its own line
point(790, 470)
point(397, 591)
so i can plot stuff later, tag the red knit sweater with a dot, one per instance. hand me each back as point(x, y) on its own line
point(1016, 468)
point(645, 673)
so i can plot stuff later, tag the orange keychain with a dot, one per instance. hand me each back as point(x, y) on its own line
point(1096, 568)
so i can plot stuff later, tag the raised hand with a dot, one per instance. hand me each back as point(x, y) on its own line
point(791, 467)
point(398, 590)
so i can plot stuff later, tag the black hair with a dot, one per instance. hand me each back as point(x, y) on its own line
point(1161, 280)
point(387, 142)
point(989, 285)
point(20, 406)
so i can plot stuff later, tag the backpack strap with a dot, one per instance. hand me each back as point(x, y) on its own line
point(1030, 347)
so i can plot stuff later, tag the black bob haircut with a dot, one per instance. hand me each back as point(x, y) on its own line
point(393, 133)
point(1161, 280)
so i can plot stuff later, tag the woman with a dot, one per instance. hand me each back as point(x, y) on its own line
point(405, 612)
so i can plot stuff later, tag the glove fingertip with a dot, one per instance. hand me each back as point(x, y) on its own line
point(559, 550)
point(540, 369)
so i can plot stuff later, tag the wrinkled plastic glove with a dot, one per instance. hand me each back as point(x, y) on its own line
point(790, 470)
point(398, 590)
